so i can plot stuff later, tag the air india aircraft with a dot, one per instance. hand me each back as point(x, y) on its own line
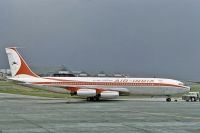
point(94, 88)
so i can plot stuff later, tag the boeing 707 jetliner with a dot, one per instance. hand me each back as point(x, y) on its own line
point(94, 88)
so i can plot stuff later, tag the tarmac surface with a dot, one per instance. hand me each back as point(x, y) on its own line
point(27, 114)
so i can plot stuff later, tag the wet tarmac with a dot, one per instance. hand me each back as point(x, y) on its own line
point(26, 114)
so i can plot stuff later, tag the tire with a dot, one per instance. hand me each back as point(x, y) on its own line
point(91, 98)
point(96, 98)
point(168, 99)
point(191, 99)
point(88, 99)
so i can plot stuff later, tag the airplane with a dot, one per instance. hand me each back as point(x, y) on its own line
point(94, 88)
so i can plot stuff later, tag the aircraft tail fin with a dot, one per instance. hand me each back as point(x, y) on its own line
point(18, 65)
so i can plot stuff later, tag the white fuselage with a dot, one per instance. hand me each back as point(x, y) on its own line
point(93, 88)
point(137, 86)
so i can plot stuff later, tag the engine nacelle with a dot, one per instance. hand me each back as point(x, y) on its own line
point(109, 94)
point(86, 92)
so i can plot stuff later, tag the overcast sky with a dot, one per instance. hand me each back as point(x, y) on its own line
point(140, 37)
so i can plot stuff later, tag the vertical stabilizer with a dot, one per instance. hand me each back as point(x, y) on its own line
point(18, 66)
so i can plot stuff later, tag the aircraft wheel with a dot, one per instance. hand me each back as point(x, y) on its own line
point(96, 98)
point(93, 99)
point(88, 99)
point(168, 99)
point(191, 99)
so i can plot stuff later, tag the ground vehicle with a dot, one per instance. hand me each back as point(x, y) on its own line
point(191, 96)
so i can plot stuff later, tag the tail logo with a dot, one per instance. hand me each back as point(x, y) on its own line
point(18, 66)
point(14, 63)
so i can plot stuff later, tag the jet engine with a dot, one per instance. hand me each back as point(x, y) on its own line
point(93, 96)
point(86, 92)
point(109, 94)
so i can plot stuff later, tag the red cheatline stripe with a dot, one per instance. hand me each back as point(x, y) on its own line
point(116, 80)
point(108, 84)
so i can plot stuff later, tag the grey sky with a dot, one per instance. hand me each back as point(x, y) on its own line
point(141, 37)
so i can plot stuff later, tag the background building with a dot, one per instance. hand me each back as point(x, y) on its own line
point(62, 71)
point(4, 73)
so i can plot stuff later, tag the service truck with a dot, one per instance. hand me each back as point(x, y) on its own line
point(191, 96)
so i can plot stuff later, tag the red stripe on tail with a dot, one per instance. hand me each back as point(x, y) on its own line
point(24, 69)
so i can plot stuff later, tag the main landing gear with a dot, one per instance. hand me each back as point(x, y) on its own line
point(168, 99)
point(94, 99)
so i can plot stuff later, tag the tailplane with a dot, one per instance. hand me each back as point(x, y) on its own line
point(18, 66)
